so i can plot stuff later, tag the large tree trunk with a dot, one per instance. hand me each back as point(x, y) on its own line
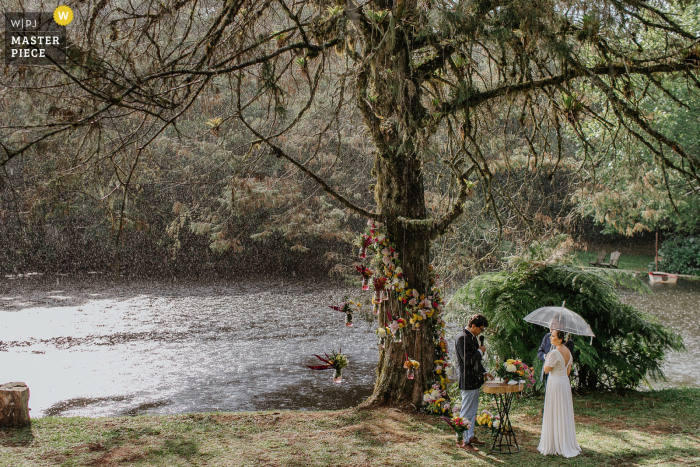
point(399, 193)
point(389, 97)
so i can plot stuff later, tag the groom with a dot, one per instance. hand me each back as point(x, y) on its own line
point(471, 374)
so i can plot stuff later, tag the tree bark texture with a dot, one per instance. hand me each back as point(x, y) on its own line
point(14, 405)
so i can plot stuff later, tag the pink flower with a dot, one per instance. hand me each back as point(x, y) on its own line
point(396, 256)
point(413, 302)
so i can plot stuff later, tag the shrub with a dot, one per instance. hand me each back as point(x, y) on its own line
point(629, 345)
point(681, 255)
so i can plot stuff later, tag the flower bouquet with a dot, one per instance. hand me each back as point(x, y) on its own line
point(366, 274)
point(382, 333)
point(347, 307)
point(410, 366)
point(395, 328)
point(514, 372)
point(335, 360)
point(379, 283)
point(488, 420)
point(459, 425)
point(434, 398)
point(364, 242)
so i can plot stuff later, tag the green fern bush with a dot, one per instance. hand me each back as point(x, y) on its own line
point(629, 346)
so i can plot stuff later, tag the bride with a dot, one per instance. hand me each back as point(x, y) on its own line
point(558, 429)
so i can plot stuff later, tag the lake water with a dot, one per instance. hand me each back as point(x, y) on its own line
point(89, 348)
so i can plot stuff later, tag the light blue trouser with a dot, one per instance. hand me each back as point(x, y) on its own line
point(470, 404)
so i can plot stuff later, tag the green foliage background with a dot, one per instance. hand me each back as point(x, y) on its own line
point(629, 346)
point(681, 255)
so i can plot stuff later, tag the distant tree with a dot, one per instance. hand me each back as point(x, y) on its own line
point(450, 94)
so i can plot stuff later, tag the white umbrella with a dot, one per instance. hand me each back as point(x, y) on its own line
point(563, 319)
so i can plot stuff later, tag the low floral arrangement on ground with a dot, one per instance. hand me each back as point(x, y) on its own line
point(335, 360)
point(513, 371)
point(488, 420)
point(458, 424)
point(435, 399)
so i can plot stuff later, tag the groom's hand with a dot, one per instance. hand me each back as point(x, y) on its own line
point(483, 349)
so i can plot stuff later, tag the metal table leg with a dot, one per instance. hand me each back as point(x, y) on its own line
point(504, 440)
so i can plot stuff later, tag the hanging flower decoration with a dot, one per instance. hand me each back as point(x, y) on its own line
point(335, 360)
point(416, 307)
point(348, 307)
point(364, 243)
point(366, 274)
point(383, 333)
point(410, 366)
point(379, 283)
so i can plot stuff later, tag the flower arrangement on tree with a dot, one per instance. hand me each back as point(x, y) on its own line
point(348, 307)
point(366, 274)
point(379, 293)
point(410, 366)
point(364, 242)
point(335, 360)
point(515, 371)
point(415, 307)
point(383, 333)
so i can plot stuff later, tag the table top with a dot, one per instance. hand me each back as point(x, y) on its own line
point(501, 388)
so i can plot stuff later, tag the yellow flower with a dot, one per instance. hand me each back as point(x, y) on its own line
point(438, 371)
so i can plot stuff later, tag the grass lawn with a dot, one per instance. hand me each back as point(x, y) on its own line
point(645, 428)
point(629, 262)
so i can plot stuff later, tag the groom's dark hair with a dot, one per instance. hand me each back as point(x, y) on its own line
point(477, 320)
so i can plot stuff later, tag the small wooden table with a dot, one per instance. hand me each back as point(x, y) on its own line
point(504, 440)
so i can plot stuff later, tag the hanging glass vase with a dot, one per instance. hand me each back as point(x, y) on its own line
point(338, 376)
point(348, 320)
point(365, 283)
point(381, 342)
point(397, 336)
point(410, 373)
point(363, 252)
point(383, 296)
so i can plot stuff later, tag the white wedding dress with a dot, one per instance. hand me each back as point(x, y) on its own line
point(558, 428)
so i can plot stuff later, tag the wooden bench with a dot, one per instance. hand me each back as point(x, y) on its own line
point(599, 260)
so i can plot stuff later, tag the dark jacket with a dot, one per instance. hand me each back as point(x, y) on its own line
point(471, 371)
point(544, 350)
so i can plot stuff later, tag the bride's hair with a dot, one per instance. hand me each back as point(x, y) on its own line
point(564, 336)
